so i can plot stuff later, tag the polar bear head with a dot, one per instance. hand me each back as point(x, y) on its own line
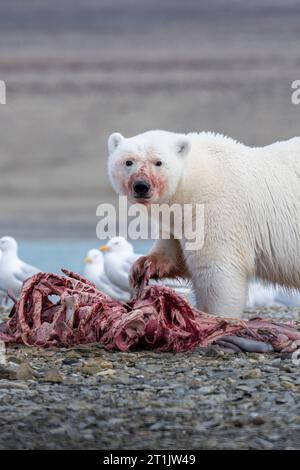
point(147, 168)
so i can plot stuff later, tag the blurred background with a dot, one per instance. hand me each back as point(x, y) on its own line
point(78, 70)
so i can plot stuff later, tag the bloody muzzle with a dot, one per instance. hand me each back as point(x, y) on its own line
point(141, 188)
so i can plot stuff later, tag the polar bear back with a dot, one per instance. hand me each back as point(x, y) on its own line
point(252, 197)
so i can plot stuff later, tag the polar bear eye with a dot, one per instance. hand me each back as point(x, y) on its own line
point(129, 163)
point(158, 163)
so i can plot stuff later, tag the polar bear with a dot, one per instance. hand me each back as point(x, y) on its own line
point(251, 199)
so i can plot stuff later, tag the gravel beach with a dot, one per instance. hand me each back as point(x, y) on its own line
point(75, 72)
point(87, 398)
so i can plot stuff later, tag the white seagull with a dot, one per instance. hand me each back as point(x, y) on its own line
point(268, 295)
point(3, 294)
point(261, 295)
point(118, 259)
point(94, 272)
point(13, 271)
point(288, 298)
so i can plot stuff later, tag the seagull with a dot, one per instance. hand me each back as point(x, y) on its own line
point(288, 298)
point(268, 295)
point(94, 272)
point(13, 271)
point(261, 295)
point(118, 259)
point(3, 294)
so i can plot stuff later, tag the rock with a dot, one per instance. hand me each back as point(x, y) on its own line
point(230, 381)
point(94, 366)
point(273, 437)
point(207, 390)
point(52, 376)
point(14, 360)
point(5, 372)
point(24, 372)
point(8, 385)
point(238, 422)
point(287, 368)
point(106, 373)
point(157, 426)
point(290, 386)
point(253, 374)
point(214, 351)
point(69, 362)
point(286, 378)
point(257, 419)
point(281, 400)
point(122, 379)
point(71, 357)
point(261, 358)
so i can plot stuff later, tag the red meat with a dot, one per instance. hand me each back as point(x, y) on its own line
point(157, 318)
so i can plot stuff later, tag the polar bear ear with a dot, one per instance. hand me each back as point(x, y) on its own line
point(182, 148)
point(114, 141)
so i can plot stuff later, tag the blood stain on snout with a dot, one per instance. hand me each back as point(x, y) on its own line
point(148, 175)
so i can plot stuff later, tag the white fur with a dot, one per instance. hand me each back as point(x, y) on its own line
point(252, 210)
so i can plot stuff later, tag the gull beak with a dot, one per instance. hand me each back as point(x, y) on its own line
point(104, 248)
point(87, 260)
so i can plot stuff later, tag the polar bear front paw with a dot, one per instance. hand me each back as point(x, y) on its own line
point(156, 266)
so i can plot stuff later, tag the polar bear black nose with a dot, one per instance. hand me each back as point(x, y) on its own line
point(141, 188)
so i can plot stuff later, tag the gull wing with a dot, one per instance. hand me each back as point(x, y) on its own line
point(24, 272)
point(128, 262)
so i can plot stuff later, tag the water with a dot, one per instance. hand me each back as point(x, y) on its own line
point(52, 255)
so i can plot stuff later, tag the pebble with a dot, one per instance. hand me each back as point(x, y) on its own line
point(7, 373)
point(253, 374)
point(25, 372)
point(88, 398)
point(207, 390)
point(95, 366)
point(257, 419)
point(12, 385)
point(52, 376)
point(290, 386)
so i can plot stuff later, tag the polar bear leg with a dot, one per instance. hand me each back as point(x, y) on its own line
point(221, 290)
